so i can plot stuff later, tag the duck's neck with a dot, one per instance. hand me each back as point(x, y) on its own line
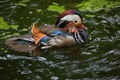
point(82, 26)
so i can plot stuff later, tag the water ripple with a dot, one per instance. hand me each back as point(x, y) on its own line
point(26, 71)
point(14, 57)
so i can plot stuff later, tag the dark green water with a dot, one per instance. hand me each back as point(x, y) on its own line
point(99, 59)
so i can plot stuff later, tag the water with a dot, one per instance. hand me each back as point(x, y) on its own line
point(98, 59)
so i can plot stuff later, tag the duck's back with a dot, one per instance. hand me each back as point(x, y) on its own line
point(48, 29)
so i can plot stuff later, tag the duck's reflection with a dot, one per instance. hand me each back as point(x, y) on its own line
point(73, 52)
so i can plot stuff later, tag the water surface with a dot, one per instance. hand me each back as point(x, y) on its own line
point(98, 59)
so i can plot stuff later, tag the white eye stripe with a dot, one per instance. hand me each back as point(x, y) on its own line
point(71, 17)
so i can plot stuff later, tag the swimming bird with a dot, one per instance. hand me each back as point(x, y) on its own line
point(68, 30)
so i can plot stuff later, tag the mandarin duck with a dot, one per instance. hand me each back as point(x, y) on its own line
point(68, 30)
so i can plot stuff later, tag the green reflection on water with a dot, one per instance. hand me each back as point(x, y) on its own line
point(5, 25)
point(97, 5)
point(56, 7)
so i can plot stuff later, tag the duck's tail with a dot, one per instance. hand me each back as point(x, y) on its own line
point(27, 42)
point(24, 43)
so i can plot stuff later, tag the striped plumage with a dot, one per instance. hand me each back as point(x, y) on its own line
point(74, 16)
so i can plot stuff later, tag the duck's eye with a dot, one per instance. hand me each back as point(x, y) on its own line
point(75, 21)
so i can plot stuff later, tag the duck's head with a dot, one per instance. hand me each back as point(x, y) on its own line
point(69, 16)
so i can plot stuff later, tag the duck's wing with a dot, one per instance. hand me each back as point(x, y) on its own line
point(24, 43)
point(59, 41)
